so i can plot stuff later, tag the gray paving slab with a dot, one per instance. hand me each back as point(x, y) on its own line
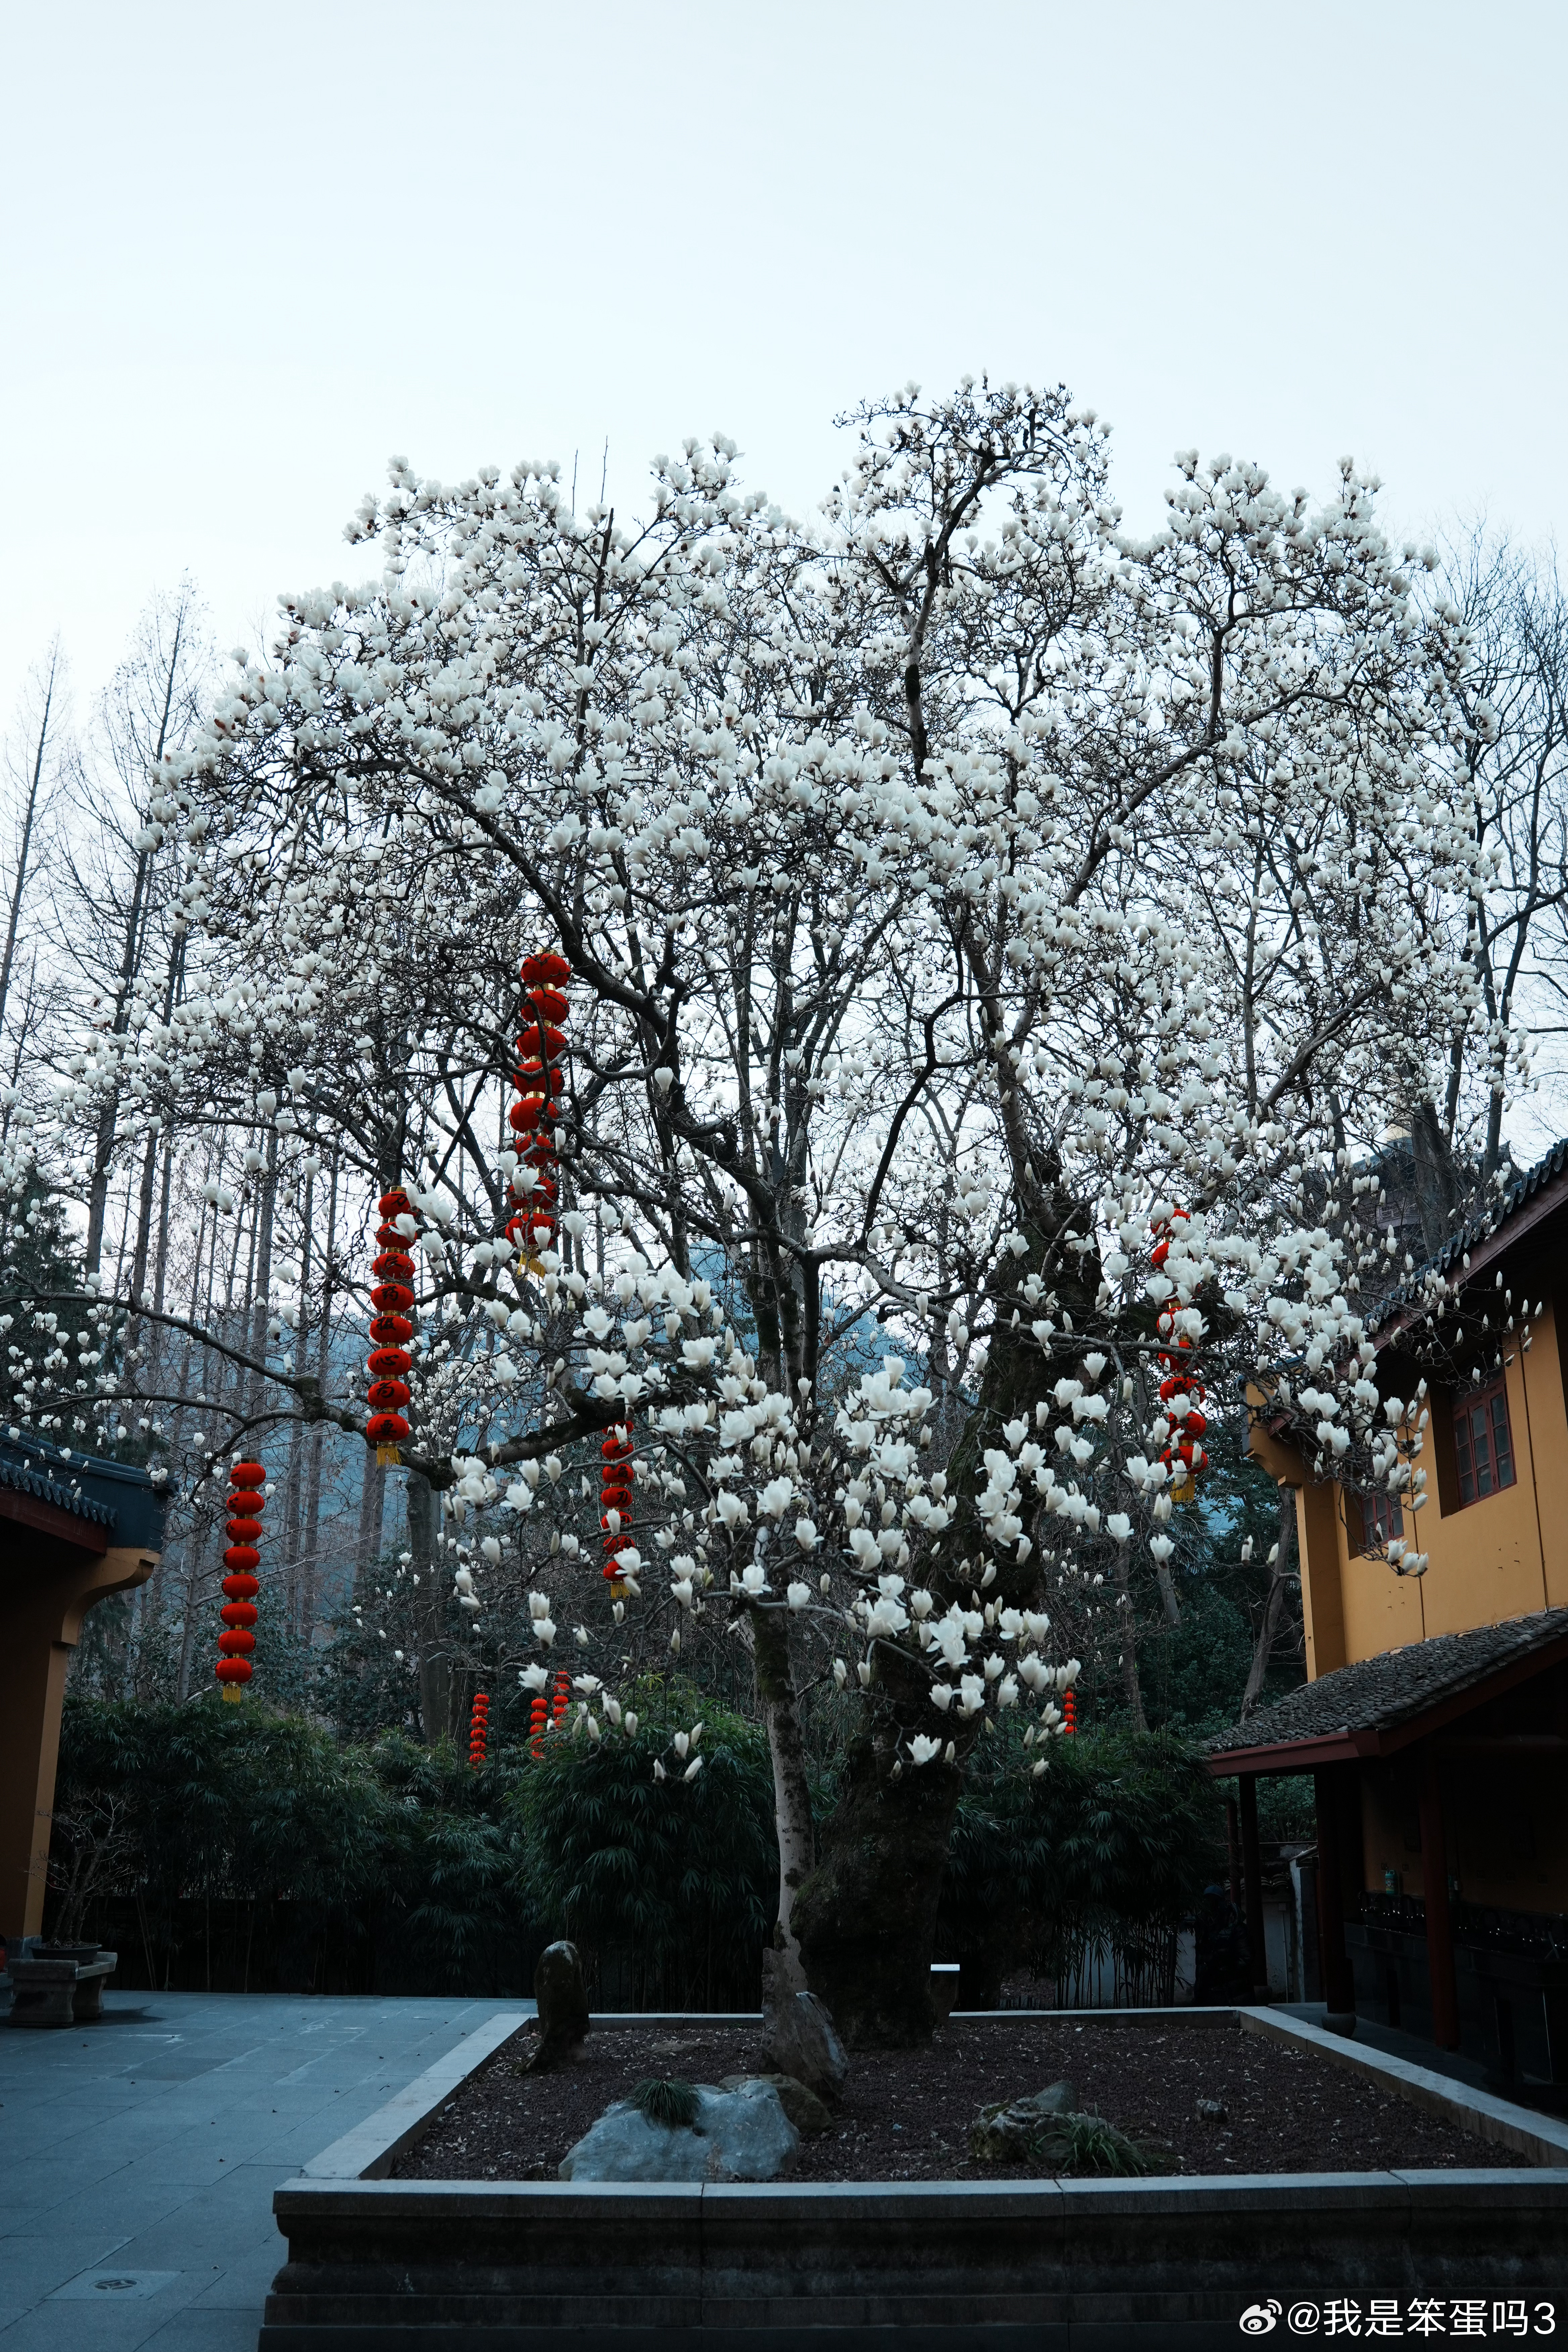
point(148, 2148)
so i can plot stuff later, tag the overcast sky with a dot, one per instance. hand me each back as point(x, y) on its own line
point(251, 252)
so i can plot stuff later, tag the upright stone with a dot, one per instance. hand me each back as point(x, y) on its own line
point(562, 1999)
point(799, 2036)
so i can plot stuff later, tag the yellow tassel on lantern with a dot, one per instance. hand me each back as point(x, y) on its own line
point(1186, 1490)
point(229, 1695)
point(387, 1457)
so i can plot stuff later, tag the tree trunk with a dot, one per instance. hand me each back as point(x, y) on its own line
point(24, 847)
point(866, 1919)
point(791, 1789)
point(260, 1284)
point(1436, 1181)
point(1131, 1690)
point(109, 1117)
point(1274, 1604)
point(371, 1510)
point(310, 1581)
point(435, 1661)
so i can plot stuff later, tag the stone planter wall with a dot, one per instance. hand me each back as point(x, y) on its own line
point(1162, 2265)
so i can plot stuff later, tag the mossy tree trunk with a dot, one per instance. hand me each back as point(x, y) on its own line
point(866, 1919)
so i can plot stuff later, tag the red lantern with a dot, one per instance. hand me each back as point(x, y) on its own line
point(237, 1641)
point(391, 1330)
point(478, 1730)
point(615, 1502)
point(539, 1716)
point(533, 1116)
point(1180, 1387)
point(1069, 1715)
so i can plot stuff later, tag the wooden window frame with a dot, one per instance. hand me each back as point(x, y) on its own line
point(1484, 1400)
point(1382, 1521)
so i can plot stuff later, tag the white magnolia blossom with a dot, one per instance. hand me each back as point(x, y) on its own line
point(963, 896)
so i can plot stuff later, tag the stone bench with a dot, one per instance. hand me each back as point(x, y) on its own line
point(59, 1992)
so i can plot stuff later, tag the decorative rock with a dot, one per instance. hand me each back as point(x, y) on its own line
point(799, 2037)
point(562, 1999)
point(805, 2111)
point(1212, 2111)
point(740, 2135)
point(1015, 2126)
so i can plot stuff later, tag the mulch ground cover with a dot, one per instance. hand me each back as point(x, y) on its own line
point(905, 2114)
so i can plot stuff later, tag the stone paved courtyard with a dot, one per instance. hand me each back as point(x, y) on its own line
point(145, 2150)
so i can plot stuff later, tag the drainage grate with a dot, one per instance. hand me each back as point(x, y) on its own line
point(100, 2286)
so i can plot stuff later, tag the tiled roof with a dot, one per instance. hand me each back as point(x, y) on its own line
point(1479, 1228)
point(22, 1479)
point(1378, 1694)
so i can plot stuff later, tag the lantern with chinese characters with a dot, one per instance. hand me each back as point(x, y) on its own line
point(236, 1643)
point(536, 1110)
point(391, 1330)
point(615, 1502)
point(479, 1728)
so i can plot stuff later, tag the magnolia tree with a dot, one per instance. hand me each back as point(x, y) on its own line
point(990, 937)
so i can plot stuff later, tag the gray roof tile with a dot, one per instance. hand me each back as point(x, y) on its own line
point(1377, 1693)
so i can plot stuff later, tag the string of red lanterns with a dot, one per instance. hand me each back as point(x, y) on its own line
point(478, 1730)
point(533, 1116)
point(615, 1501)
point(546, 1713)
point(236, 1643)
point(1069, 1715)
point(1181, 1391)
point(391, 1330)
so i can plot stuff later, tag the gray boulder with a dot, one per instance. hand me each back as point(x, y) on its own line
point(799, 2037)
point(740, 2135)
point(1015, 2127)
point(805, 2111)
point(562, 1999)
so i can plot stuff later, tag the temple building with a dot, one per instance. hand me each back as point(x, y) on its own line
point(1435, 1717)
point(72, 1531)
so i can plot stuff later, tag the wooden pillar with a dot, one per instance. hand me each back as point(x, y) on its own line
point(46, 1589)
point(1439, 1925)
point(1339, 1983)
point(1252, 1868)
point(1233, 1850)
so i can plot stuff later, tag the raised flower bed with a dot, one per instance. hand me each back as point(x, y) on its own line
point(1161, 2261)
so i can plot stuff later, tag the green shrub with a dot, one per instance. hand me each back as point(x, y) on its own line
point(669, 1889)
point(1109, 1847)
point(290, 1859)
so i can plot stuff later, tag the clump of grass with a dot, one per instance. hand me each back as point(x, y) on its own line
point(1089, 2146)
point(666, 2100)
point(1071, 2144)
